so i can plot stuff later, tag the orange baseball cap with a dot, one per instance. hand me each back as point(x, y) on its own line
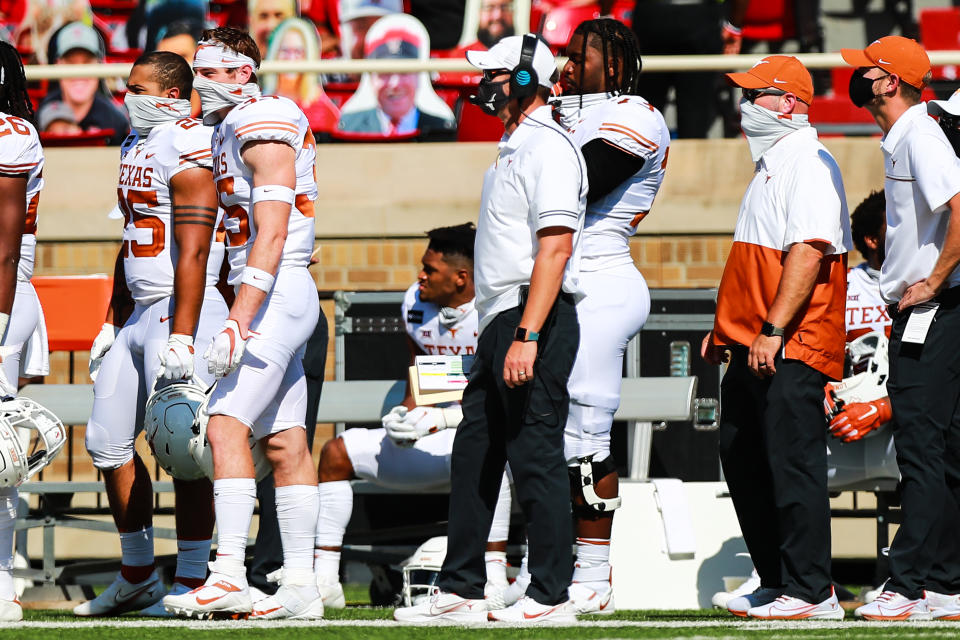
point(893, 54)
point(777, 72)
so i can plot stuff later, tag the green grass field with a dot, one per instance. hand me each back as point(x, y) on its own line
point(376, 624)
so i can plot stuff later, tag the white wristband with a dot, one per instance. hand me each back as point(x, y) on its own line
point(257, 278)
point(274, 192)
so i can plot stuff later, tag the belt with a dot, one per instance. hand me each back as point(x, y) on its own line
point(563, 295)
point(950, 297)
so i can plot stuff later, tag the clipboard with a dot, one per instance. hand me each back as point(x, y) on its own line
point(435, 379)
point(429, 397)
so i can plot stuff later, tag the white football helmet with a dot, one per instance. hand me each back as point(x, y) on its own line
point(19, 461)
point(422, 569)
point(871, 366)
point(168, 425)
point(200, 450)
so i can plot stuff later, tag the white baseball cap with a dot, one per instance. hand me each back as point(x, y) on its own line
point(949, 107)
point(353, 9)
point(506, 55)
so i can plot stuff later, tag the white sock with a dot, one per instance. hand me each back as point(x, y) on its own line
point(9, 497)
point(233, 500)
point(136, 548)
point(336, 507)
point(523, 577)
point(593, 560)
point(192, 558)
point(297, 507)
point(500, 528)
point(496, 562)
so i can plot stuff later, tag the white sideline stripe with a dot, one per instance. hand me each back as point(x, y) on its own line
point(781, 625)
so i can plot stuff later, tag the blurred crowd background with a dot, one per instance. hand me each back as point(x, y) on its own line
point(399, 107)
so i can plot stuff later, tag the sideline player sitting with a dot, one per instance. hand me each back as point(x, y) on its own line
point(625, 142)
point(866, 313)
point(166, 193)
point(412, 450)
point(21, 179)
point(264, 157)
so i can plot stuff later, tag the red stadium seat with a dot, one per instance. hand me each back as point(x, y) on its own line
point(940, 30)
point(73, 308)
point(769, 20)
point(476, 126)
point(558, 22)
point(83, 139)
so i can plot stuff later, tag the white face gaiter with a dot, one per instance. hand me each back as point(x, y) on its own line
point(764, 127)
point(147, 112)
point(570, 108)
point(217, 95)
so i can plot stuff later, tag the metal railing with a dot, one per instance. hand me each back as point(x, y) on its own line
point(439, 65)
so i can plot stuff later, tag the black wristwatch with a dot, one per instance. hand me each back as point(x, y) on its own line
point(524, 335)
point(769, 330)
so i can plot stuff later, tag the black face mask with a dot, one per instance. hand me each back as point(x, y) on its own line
point(490, 96)
point(949, 126)
point(861, 88)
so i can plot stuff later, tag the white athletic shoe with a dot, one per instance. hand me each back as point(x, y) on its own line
point(222, 595)
point(10, 611)
point(721, 598)
point(256, 595)
point(871, 595)
point(517, 589)
point(592, 597)
point(296, 599)
point(331, 591)
point(494, 594)
point(526, 610)
point(157, 610)
point(122, 596)
point(943, 607)
point(890, 605)
point(444, 607)
point(790, 608)
point(740, 605)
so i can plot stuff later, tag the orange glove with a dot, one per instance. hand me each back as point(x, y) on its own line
point(832, 405)
point(860, 418)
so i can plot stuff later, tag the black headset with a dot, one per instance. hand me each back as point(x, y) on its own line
point(523, 79)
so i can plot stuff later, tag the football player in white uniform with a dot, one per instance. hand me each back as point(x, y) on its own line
point(23, 347)
point(264, 155)
point(866, 313)
point(625, 142)
point(412, 450)
point(170, 263)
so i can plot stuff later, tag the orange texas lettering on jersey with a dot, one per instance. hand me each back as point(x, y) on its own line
point(133, 176)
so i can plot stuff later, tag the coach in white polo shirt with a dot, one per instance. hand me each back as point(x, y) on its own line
point(780, 315)
point(515, 406)
point(920, 279)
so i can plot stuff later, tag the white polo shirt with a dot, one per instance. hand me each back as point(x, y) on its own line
point(796, 195)
point(539, 180)
point(922, 174)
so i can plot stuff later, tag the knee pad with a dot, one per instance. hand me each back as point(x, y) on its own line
point(587, 432)
point(583, 477)
point(106, 452)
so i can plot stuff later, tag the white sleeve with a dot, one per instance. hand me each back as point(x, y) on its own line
point(936, 169)
point(626, 127)
point(814, 201)
point(192, 146)
point(555, 181)
point(20, 150)
point(269, 119)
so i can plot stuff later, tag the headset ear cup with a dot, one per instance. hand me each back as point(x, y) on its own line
point(523, 79)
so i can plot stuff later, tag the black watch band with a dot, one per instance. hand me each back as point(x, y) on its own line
point(769, 330)
point(525, 335)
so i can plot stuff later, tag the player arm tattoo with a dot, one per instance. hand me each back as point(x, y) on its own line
point(607, 167)
point(194, 214)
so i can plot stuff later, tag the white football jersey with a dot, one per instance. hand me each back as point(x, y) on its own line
point(634, 125)
point(147, 165)
point(270, 118)
point(21, 154)
point(422, 321)
point(866, 310)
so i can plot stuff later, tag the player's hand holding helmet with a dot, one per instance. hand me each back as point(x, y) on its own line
point(101, 344)
point(418, 422)
point(224, 353)
point(832, 404)
point(857, 419)
point(176, 359)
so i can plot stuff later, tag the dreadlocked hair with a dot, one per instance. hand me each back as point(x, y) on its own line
point(14, 99)
point(620, 49)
